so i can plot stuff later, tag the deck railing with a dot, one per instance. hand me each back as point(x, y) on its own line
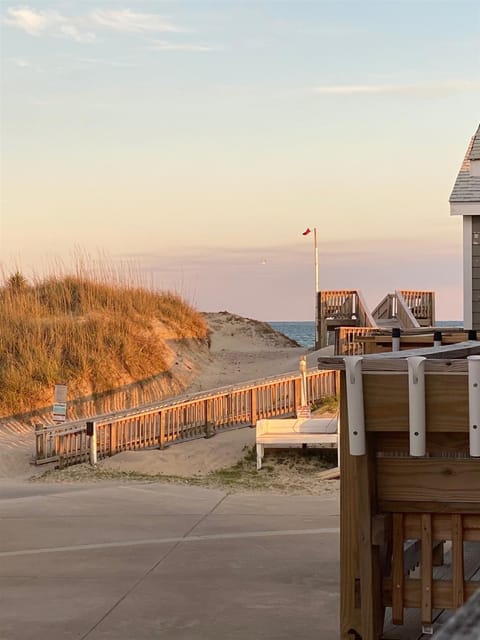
point(195, 416)
point(421, 304)
point(346, 340)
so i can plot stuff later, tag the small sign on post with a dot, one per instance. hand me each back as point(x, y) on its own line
point(60, 403)
point(303, 411)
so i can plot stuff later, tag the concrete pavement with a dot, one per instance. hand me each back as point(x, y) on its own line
point(134, 561)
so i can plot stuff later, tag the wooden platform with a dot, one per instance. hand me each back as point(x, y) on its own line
point(392, 495)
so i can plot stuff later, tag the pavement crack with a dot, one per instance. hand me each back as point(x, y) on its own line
point(152, 568)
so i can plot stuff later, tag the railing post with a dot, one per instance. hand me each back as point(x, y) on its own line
point(253, 406)
point(92, 432)
point(395, 339)
point(162, 429)
point(297, 386)
point(209, 430)
point(39, 441)
point(113, 438)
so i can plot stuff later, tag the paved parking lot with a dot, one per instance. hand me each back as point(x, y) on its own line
point(133, 561)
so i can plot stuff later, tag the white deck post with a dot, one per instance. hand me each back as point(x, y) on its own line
point(474, 404)
point(356, 415)
point(416, 405)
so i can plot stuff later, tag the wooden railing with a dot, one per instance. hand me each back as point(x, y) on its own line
point(342, 307)
point(365, 318)
point(346, 340)
point(405, 317)
point(356, 341)
point(196, 416)
point(412, 309)
point(421, 304)
point(385, 309)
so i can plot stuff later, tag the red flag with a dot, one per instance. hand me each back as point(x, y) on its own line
point(306, 232)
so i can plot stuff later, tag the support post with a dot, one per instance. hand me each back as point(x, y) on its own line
point(437, 339)
point(315, 246)
point(396, 339)
point(253, 406)
point(474, 404)
point(92, 432)
point(416, 405)
point(356, 414)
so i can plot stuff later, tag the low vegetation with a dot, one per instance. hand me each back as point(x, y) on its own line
point(284, 471)
point(89, 332)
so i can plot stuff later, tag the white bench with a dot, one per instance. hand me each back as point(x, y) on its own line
point(295, 432)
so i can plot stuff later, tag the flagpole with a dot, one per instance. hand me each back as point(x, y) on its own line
point(315, 249)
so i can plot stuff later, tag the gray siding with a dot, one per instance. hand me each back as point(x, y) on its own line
point(476, 272)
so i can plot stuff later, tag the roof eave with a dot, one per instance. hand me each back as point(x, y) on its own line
point(458, 208)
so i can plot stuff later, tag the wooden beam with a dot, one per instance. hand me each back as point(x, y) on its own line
point(441, 590)
point(349, 612)
point(426, 479)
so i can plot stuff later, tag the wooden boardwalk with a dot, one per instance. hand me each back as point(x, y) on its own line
point(179, 419)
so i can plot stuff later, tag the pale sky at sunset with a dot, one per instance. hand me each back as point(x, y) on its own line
point(199, 139)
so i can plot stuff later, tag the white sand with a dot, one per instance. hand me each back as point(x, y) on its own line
point(187, 459)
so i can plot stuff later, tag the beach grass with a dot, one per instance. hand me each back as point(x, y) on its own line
point(91, 330)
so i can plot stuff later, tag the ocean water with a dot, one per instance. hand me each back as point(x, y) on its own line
point(301, 332)
point(304, 332)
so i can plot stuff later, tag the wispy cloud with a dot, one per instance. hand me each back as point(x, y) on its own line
point(37, 23)
point(83, 28)
point(31, 21)
point(433, 89)
point(131, 21)
point(178, 46)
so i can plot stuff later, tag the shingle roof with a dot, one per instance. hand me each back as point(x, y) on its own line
point(467, 187)
point(475, 154)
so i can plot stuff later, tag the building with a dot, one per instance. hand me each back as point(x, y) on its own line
point(465, 202)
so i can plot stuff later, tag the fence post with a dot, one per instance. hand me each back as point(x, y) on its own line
point(297, 386)
point(253, 406)
point(113, 438)
point(162, 429)
point(40, 441)
point(209, 429)
point(92, 432)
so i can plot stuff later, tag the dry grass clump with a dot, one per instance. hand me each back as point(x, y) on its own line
point(85, 331)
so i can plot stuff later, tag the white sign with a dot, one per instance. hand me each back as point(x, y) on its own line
point(60, 403)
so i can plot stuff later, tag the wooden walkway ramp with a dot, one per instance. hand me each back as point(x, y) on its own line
point(179, 419)
point(347, 309)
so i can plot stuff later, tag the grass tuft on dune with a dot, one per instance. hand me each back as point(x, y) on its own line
point(87, 331)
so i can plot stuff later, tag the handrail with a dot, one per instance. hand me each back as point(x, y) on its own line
point(404, 314)
point(421, 304)
point(182, 418)
point(384, 309)
point(365, 317)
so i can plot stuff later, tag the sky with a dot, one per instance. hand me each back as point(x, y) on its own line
point(194, 142)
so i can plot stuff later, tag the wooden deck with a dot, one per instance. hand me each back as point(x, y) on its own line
point(393, 494)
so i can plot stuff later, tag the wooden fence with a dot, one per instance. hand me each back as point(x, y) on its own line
point(354, 341)
point(196, 416)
